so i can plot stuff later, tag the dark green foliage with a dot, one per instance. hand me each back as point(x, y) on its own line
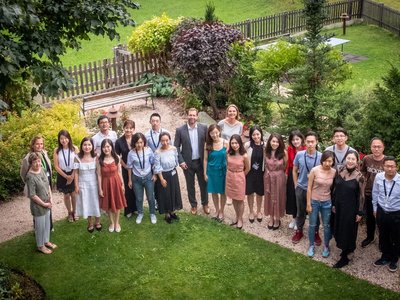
point(199, 55)
point(34, 34)
point(315, 101)
point(162, 85)
point(381, 115)
point(209, 15)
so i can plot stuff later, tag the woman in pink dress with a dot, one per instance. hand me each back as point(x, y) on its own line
point(237, 169)
point(275, 180)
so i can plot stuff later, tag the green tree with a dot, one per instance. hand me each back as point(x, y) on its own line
point(315, 100)
point(34, 34)
point(381, 115)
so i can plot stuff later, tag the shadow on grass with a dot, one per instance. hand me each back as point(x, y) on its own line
point(193, 259)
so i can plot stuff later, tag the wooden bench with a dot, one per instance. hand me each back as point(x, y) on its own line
point(106, 98)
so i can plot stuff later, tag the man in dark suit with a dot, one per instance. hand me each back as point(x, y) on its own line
point(189, 140)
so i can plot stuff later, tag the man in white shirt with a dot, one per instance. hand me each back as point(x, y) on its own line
point(153, 135)
point(386, 206)
point(189, 141)
point(340, 148)
point(105, 133)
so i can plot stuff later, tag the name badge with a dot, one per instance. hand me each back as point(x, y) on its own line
point(255, 166)
point(173, 172)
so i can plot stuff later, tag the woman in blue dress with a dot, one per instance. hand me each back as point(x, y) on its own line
point(215, 169)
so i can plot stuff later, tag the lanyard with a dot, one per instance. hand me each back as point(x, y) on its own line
point(340, 162)
point(140, 163)
point(44, 163)
point(391, 190)
point(69, 155)
point(154, 143)
point(305, 161)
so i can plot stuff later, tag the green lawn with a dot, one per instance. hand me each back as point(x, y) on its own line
point(380, 47)
point(194, 259)
point(229, 11)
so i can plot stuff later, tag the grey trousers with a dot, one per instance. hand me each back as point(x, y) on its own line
point(301, 203)
point(42, 229)
point(196, 169)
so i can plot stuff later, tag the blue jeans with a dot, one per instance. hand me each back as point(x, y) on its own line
point(139, 185)
point(325, 208)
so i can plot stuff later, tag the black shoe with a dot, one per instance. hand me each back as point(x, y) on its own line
point(381, 262)
point(277, 227)
point(366, 242)
point(175, 217)
point(343, 261)
point(168, 219)
point(393, 267)
point(259, 220)
point(251, 220)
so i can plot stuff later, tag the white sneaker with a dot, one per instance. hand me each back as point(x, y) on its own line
point(292, 224)
point(139, 218)
point(153, 218)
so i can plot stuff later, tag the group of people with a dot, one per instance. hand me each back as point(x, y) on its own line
point(109, 173)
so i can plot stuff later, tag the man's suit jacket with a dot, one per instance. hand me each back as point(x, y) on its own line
point(182, 143)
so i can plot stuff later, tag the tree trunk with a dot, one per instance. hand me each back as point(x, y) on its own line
point(211, 99)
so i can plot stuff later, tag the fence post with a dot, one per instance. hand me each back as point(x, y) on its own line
point(360, 13)
point(248, 29)
point(381, 6)
point(284, 23)
point(350, 9)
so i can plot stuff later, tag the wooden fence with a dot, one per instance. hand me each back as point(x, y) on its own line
point(294, 21)
point(125, 68)
point(381, 15)
point(108, 74)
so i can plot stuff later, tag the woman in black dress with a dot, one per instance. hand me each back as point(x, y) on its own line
point(122, 148)
point(255, 178)
point(348, 203)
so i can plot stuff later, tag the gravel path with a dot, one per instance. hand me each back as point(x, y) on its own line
point(15, 218)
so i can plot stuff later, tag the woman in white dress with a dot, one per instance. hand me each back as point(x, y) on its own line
point(86, 187)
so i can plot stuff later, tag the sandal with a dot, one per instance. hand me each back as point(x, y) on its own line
point(44, 250)
point(76, 218)
point(70, 217)
point(90, 228)
point(51, 245)
point(99, 227)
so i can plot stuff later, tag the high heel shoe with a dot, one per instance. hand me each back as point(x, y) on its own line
point(277, 227)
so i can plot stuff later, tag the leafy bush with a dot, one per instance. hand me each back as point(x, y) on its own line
point(200, 56)
point(18, 131)
point(244, 89)
point(153, 36)
point(162, 85)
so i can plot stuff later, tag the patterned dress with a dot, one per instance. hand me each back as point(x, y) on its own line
point(275, 187)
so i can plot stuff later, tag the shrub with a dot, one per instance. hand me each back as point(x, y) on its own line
point(200, 56)
point(162, 85)
point(153, 36)
point(17, 133)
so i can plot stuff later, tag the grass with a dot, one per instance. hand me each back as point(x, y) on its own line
point(194, 259)
point(380, 47)
point(101, 47)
